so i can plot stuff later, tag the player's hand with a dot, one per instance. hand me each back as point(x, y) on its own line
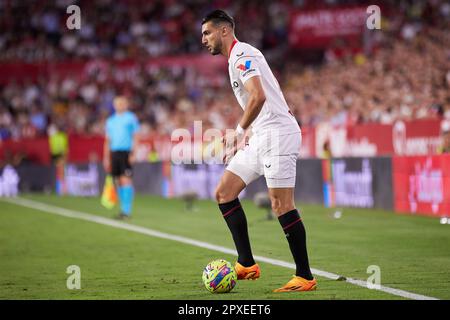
point(244, 142)
point(229, 154)
point(107, 164)
point(230, 145)
point(233, 139)
point(233, 142)
point(230, 139)
point(132, 158)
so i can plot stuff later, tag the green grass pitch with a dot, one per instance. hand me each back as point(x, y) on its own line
point(36, 247)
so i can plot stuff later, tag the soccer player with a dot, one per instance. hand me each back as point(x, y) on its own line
point(272, 150)
point(119, 152)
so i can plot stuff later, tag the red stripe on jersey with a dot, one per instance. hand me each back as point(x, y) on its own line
point(232, 45)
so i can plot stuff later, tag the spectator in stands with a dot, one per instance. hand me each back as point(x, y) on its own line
point(406, 77)
point(327, 150)
point(445, 135)
point(58, 142)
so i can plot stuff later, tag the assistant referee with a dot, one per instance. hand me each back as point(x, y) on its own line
point(119, 152)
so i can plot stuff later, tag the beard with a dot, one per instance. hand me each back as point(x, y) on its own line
point(216, 49)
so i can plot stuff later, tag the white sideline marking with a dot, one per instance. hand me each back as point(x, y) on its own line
point(122, 225)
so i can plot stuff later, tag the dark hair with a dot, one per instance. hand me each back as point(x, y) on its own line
point(218, 16)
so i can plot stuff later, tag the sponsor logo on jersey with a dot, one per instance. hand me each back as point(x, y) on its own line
point(247, 72)
point(246, 66)
point(240, 54)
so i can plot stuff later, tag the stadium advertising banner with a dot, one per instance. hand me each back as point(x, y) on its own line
point(34, 150)
point(308, 184)
point(78, 179)
point(318, 28)
point(9, 182)
point(418, 137)
point(422, 185)
point(357, 182)
point(36, 177)
point(203, 179)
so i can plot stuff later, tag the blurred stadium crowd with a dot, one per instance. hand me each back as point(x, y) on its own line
point(406, 75)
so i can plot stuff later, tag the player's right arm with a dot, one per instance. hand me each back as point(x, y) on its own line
point(249, 74)
point(106, 156)
point(255, 102)
point(135, 137)
point(237, 140)
point(250, 77)
point(106, 152)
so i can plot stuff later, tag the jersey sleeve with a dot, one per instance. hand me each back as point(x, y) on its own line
point(247, 67)
point(107, 128)
point(134, 124)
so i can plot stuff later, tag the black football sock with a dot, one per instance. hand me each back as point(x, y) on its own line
point(237, 223)
point(296, 236)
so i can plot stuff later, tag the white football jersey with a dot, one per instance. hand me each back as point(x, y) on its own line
point(245, 62)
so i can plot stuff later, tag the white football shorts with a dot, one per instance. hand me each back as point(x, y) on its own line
point(272, 155)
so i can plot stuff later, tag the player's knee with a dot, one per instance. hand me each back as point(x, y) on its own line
point(278, 206)
point(222, 195)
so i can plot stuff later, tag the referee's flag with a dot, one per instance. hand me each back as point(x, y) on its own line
point(109, 195)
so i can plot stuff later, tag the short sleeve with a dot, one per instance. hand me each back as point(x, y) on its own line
point(107, 128)
point(135, 124)
point(247, 68)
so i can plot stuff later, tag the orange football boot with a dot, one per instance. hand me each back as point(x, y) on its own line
point(298, 284)
point(247, 273)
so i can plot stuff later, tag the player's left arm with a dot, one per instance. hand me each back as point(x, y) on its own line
point(256, 99)
point(132, 157)
point(107, 150)
point(135, 133)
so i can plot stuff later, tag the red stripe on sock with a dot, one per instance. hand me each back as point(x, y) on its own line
point(291, 224)
point(231, 211)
